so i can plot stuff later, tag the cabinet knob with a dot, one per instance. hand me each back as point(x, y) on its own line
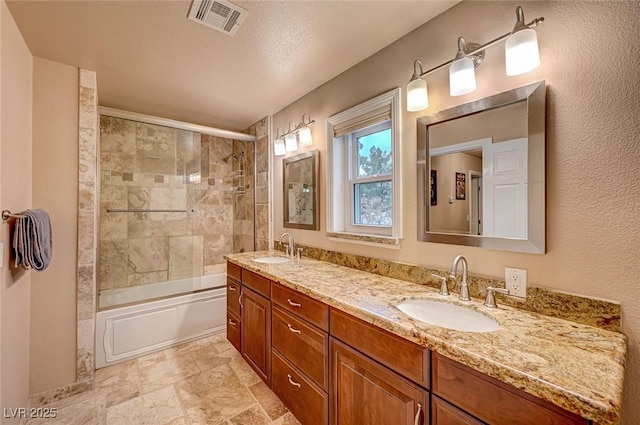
point(292, 329)
point(291, 381)
point(293, 304)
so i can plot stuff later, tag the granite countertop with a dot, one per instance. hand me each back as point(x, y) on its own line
point(576, 367)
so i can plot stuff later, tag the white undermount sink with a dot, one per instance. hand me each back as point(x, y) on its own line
point(271, 260)
point(448, 315)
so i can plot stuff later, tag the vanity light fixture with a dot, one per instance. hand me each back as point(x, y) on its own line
point(521, 55)
point(288, 142)
point(521, 48)
point(291, 139)
point(278, 146)
point(304, 132)
point(417, 94)
point(462, 72)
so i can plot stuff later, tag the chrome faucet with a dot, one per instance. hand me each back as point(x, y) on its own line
point(291, 248)
point(464, 286)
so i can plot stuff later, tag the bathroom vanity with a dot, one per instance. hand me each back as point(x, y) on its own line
point(334, 348)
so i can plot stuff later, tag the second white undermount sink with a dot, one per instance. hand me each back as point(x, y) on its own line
point(271, 260)
point(448, 315)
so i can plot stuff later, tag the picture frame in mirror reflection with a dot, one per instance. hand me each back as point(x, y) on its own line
point(499, 141)
point(461, 186)
point(300, 189)
point(434, 187)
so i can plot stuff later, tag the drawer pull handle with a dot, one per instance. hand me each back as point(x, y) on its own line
point(240, 299)
point(293, 304)
point(417, 421)
point(291, 381)
point(232, 288)
point(292, 329)
point(232, 322)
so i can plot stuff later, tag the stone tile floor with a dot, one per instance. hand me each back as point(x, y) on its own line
point(200, 382)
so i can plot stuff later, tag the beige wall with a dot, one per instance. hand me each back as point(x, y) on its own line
point(55, 188)
point(589, 54)
point(15, 195)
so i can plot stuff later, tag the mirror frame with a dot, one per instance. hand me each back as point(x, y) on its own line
point(314, 155)
point(535, 96)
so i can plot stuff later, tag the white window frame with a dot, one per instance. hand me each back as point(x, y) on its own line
point(339, 188)
point(353, 179)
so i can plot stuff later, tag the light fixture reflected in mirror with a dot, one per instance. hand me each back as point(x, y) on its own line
point(521, 52)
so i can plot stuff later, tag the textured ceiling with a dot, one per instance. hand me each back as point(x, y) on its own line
point(151, 59)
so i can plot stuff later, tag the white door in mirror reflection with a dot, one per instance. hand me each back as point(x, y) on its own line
point(475, 203)
point(504, 172)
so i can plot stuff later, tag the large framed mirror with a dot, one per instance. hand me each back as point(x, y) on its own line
point(481, 172)
point(300, 189)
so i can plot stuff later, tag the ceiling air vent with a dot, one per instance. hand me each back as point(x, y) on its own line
point(218, 14)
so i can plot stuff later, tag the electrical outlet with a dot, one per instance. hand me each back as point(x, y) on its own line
point(516, 281)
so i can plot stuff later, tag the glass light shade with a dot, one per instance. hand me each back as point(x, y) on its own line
point(305, 136)
point(291, 142)
point(521, 52)
point(417, 95)
point(278, 147)
point(462, 77)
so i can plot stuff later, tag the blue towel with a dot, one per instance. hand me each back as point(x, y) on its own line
point(33, 240)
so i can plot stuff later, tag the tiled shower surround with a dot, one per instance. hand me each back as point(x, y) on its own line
point(262, 220)
point(145, 166)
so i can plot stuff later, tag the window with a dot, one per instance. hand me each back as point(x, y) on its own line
point(370, 178)
point(364, 169)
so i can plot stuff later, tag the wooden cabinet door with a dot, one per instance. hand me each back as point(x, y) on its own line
point(365, 392)
point(256, 333)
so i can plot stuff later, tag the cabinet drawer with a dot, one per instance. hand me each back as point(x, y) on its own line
point(260, 284)
point(233, 329)
point(303, 345)
point(234, 271)
point(443, 413)
point(405, 357)
point(308, 403)
point(233, 296)
point(491, 400)
point(309, 309)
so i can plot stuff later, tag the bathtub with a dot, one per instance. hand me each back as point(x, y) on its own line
point(134, 330)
